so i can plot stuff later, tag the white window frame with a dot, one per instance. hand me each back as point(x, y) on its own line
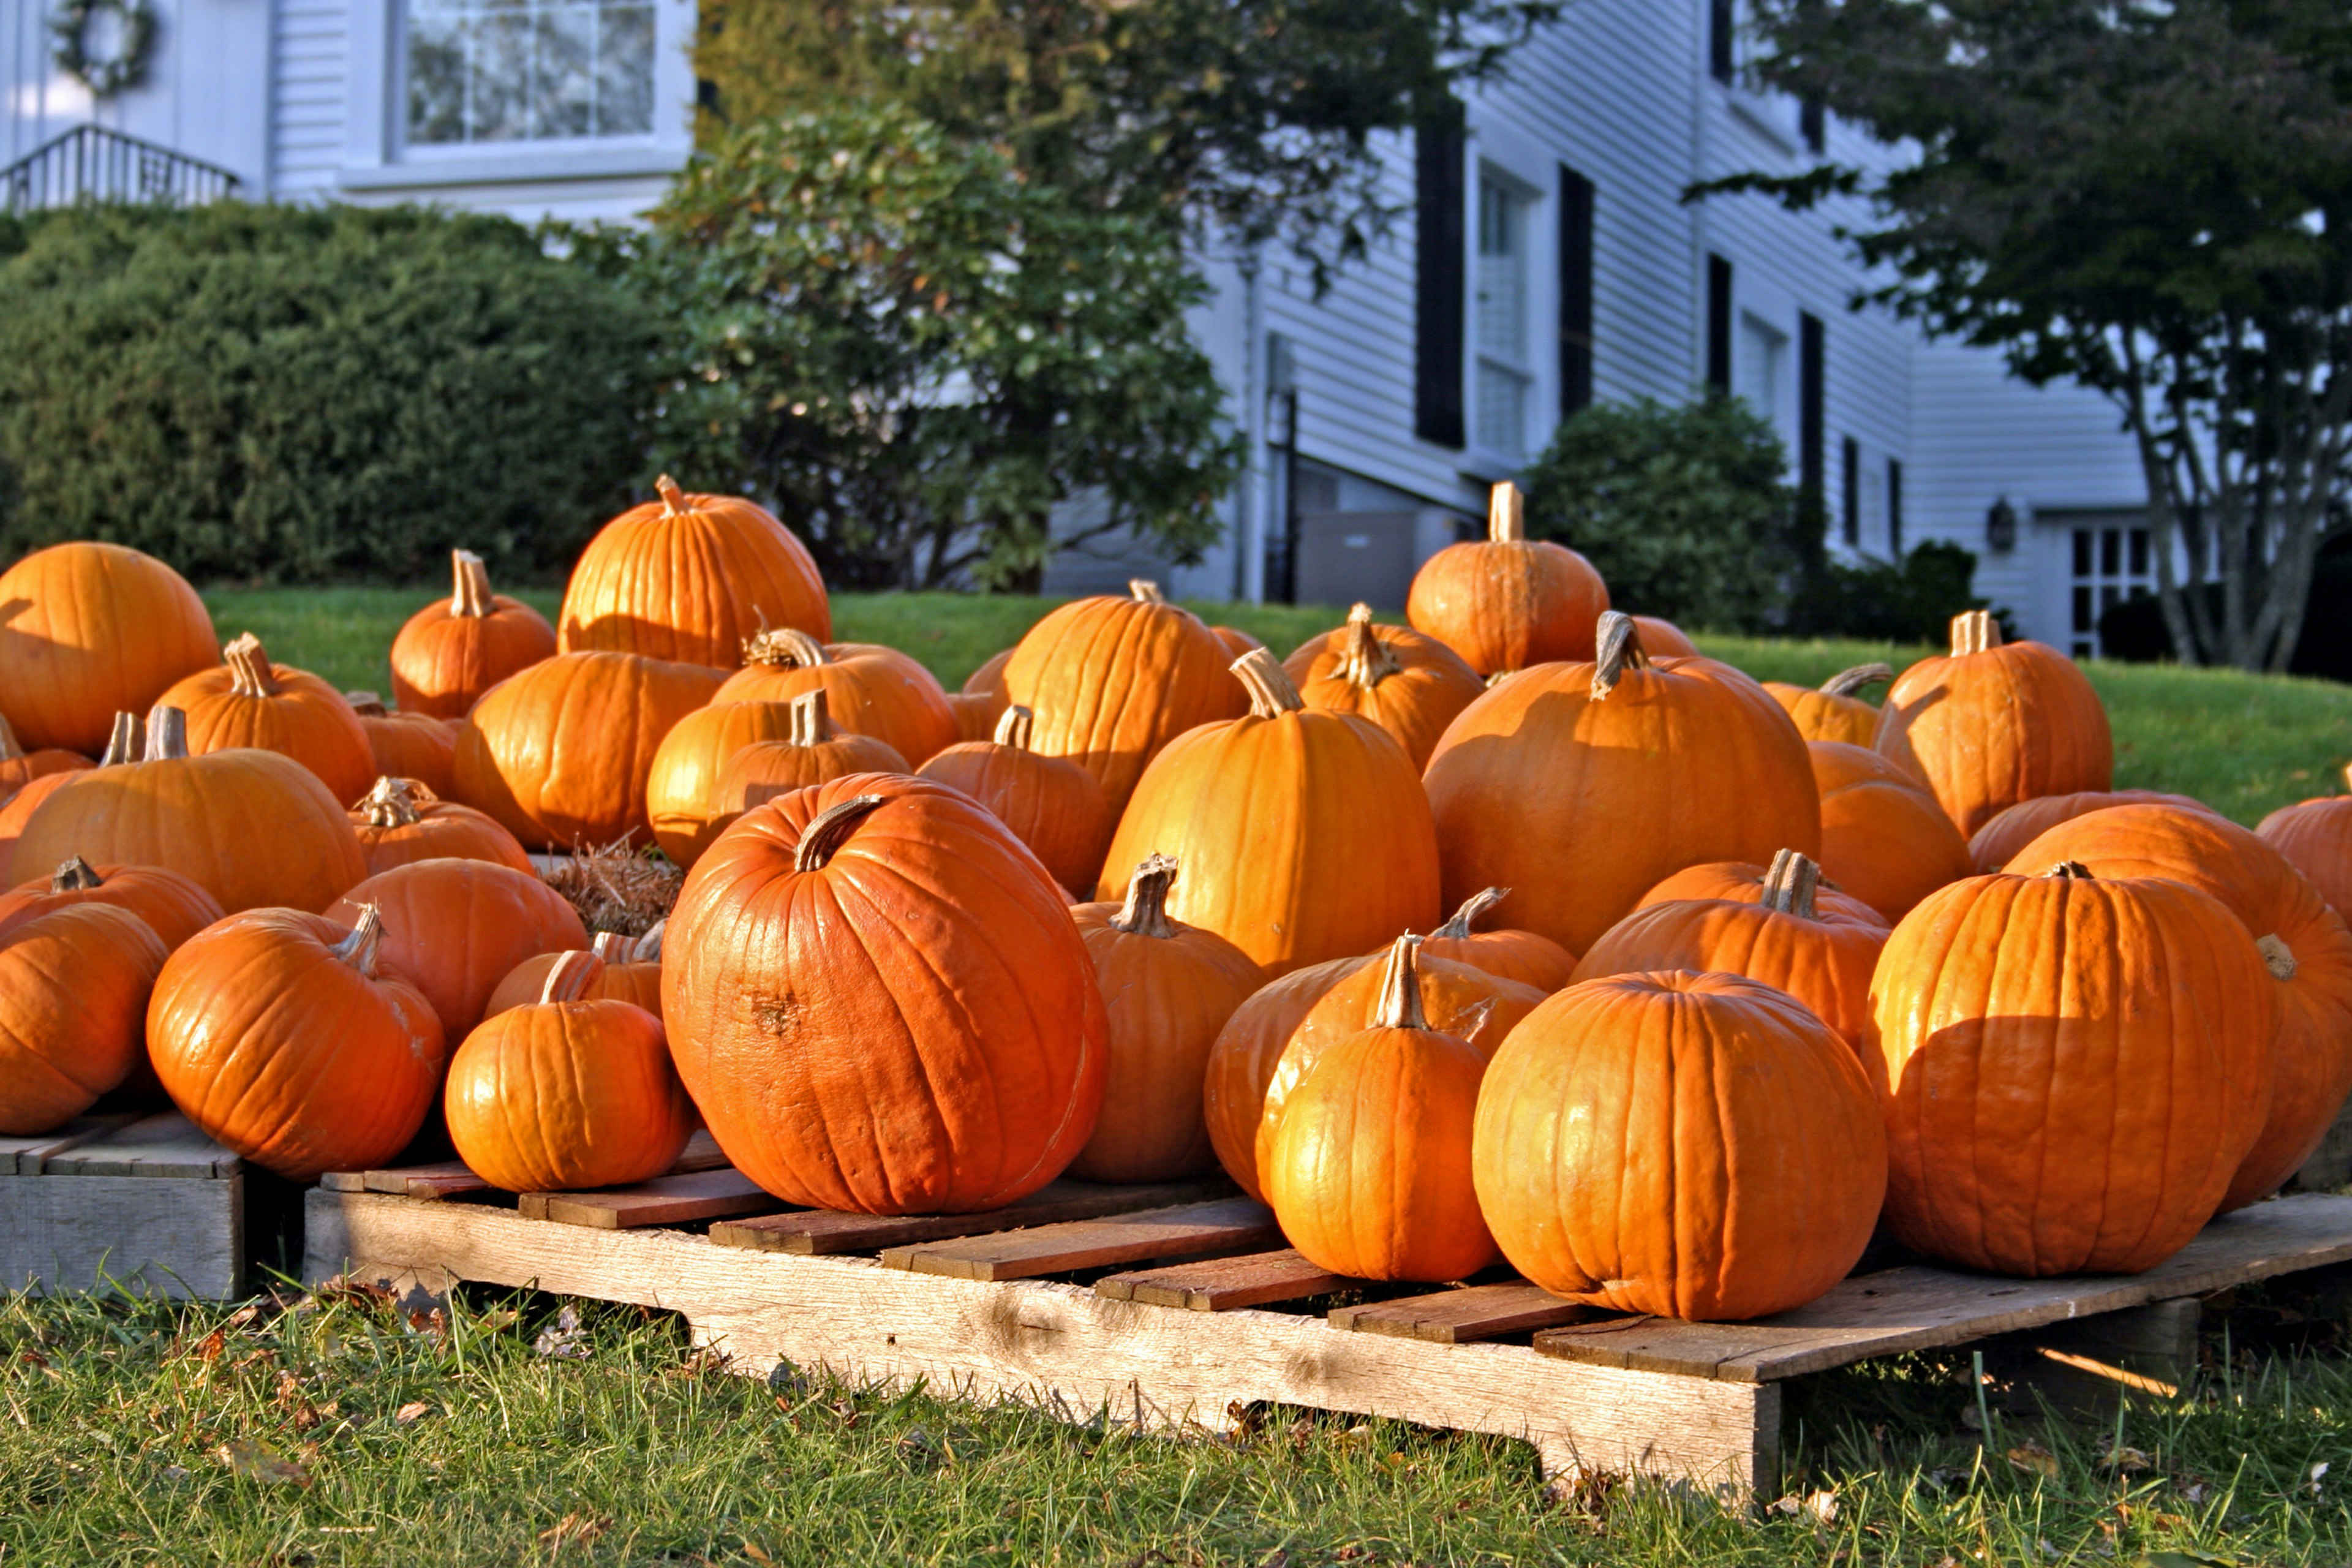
point(1526, 203)
point(1778, 115)
point(1505, 152)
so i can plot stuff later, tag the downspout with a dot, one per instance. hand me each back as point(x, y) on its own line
point(1249, 530)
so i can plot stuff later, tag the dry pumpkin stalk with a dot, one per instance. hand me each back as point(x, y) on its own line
point(615, 887)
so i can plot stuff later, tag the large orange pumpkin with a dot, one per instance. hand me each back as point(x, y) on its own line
point(560, 754)
point(19, 767)
point(124, 745)
point(1996, 723)
point(252, 704)
point(1747, 883)
point(281, 1037)
point(1831, 710)
point(1884, 838)
point(74, 984)
point(2316, 837)
point(171, 906)
point(407, 745)
point(876, 998)
point(1664, 638)
point(452, 650)
point(87, 631)
point(2077, 1068)
point(1696, 1146)
point(1409, 684)
point(631, 972)
point(1053, 805)
point(1304, 836)
point(1508, 602)
point(1997, 842)
point(1519, 955)
point(812, 753)
point(871, 689)
point(1584, 786)
point(456, 927)
point(682, 785)
point(1244, 1055)
point(690, 578)
point(400, 820)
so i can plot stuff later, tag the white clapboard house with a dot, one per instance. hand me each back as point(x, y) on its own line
point(1545, 258)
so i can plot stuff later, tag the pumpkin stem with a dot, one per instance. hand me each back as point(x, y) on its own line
point(126, 744)
point(1477, 904)
point(367, 704)
point(2070, 870)
point(250, 674)
point(2347, 775)
point(393, 802)
point(1016, 727)
point(1145, 591)
point(1366, 661)
point(1618, 644)
point(1846, 682)
point(1498, 678)
point(1975, 631)
point(2277, 957)
point(787, 646)
point(78, 876)
point(358, 950)
point(1506, 514)
point(471, 595)
point(575, 972)
point(811, 718)
point(823, 837)
point(1145, 913)
point(610, 945)
point(1271, 694)
point(1790, 885)
point(10, 751)
point(167, 735)
point(648, 947)
point(1399, 1005)
point(673, 499)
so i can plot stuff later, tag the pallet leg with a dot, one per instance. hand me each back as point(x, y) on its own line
point(2083, 1370)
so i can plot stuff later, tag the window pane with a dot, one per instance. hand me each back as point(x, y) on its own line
point(513, 70)
point(564, 100)
point(2083, 610)
point(2081, 552)
point(436, 78)
point(624, 72)
point(2139, 552)
point(2111, 553)
point(1501, 410)
point(1502, 267)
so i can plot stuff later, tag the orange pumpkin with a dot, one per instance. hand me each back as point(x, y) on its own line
point(2077, 1065)
point(74, 984)
point(1237, 641)
point(1694, 1146)
point(631, 973)
point(1832, 711)
point(566, 1091)
point(1408, 684)
point(1243, 1059)
point(1744, 883)
point(982, 703)
point(1508, 602)
point(1584, 786)
point(1996, 723)
point(690, 578)
point(1884, 838)
point(87, 631)
point(171, 906)
point(560, 754)
point(2316, 837)
point(871, 689)
point(251, 703)
point(280, 1035)
point(456, 927)
point(402, 821)
point(407, 745)
point(876, 998)
point(1304, 836)
point(682, 785)
point(1368, 1170)
point(1997, 842)
point(1664, 638)
point(813, 752)
point(452, 651)
point(19, 767)
point(1519, 955)
point(18, 810)
point(1052, 805)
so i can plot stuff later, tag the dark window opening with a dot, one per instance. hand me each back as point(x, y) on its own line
point(1721, 61)
point(1812, 119)
point(1575, 292)
point(2139, 552)
point(1812, 347)
point(2081, 552)
point(2111, 553)
point(1894, 507)
point(1441, 285)
point(1850, 452)
point(1718, 323)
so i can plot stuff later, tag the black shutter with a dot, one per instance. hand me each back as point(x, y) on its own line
point(1718, 323)
point(1441, 289)
point(1894, 507)
point(1810, 457)
point(1813, 121)
point(1575, 292)
point(1851, 452)
point(1720, 61)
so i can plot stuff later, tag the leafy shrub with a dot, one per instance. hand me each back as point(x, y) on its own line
point(1911, 600)
point(2132, 630)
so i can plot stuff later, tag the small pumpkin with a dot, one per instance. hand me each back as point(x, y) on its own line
point(252, 703)
point(1884, 838)
point(812, 753)
point(1834, 710)
point(1507, 602)
point(1508, 955)
point(681, 787)
point(631, 972)
point(128, 738)
point(1053, 805)
point(74, 984)
point(19, 767)
point(982, 703)
point(1409, 684)
point(172, 907)
point(1664, 638)
point(871, 689)
point(456, 927)
point(92, 630)
point(400, 821)
point(1746, 882)
point(1998, 842)
point(452, 651)
point(407, 745)
point(2316, 837)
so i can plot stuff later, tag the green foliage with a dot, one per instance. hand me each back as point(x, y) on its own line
point(285, 393)
point(1910, 600)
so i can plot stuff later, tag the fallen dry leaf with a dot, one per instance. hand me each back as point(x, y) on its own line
point(2127, 1461)
point(2033, 1459)
point(415, 1410)
point(257, 1461)
point(573, 1530)
point(752, 1550)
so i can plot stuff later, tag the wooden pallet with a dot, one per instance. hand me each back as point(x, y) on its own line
point(146, 1202)
point(1177, 1304)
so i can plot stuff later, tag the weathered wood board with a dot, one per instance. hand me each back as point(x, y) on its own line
point(147, 1202)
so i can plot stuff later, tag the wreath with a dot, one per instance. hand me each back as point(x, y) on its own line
point(127, 66)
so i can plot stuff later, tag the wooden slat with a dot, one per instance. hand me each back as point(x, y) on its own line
point(166, 1145)
point(24, 1156)
point(665, 1200)
point(824, 1232)
point(1187, 1230)
point(1464, 1316)
point(1222, 1284)
point(451, 1179)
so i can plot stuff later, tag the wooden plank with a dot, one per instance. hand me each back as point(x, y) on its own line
point(165, 1145)
point(1222, 1284)
point(1459, 1316)
point(24, 1156)
point(183, 1238)
point(824, 1232)
point(452, 1179)
point(1188, 1229)
point(665, 1200)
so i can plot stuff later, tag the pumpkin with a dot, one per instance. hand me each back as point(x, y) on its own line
point(1244, 1055)
point(87, 631)
point(1408, 684)
point(690, 579)
point(566, 1091)
point(1996, 723)
point(171, 906)
point(1785, 941)
point(19, 767)
point(2316, 837)
point(74, 984)
point(456, 927)
point(682, 785)
point(1304, 836)
point(560, 754)
point(1519, 955)
point(281, 1037)
point(813, 752)
point(1508, 602)
point(982, 703)
point(1167, 989)
point(400, 821)
point(1237, 641)
point(1114, 680)
point(876, 998)
point(631, 972)
point(1694, 1146)
point(251, 703)
point(1584, 786)
point(1744, 882)
point(1884, 838)
point(253, 828)
point(407, 745)
point(2076, 1065)
point(872, 690)
point(1997, 842)
point(1051, 805)
point(1832, 711)
point(2304, 944)
point(1368, 1170)
point(1664, 638)
point(450, 652)
point(18, 809)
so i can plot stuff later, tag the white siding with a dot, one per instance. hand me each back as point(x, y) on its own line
point(205, 81)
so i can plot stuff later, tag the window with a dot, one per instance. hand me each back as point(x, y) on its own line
point(1758, 366)
point(1722, 40)
point(1812, 124)
point(1718, 323)
point(1438, 284)
point(2111, 565)
point(1850, 467)
point(1500, 310)
point(1894, 507)
point(1575, 292)
point(1812, 456)
point(527, 70)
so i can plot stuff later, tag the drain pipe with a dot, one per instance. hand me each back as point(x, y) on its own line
point(1249, 543)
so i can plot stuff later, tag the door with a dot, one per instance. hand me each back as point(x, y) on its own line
point(2111, 560)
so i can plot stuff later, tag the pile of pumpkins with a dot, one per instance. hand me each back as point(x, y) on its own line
point(1521, 933)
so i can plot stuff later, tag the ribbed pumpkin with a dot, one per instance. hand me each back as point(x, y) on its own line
point(631, 972)
point(1663, 640)
point(1519, 955)
point(1237, 641)
point(983, 701)
point(1508, 602)
point(690, 578)
point(1304, 836)
point(1367, 1167)
point(455, 650)
point(1996, 723)
point(560, 754)
point(2077, 1068)
point(2303, 944)
point(402, 821)
point(872, 690)
point(407, 745)
point(1167, 989)
point(1884, 838)
point(1831, 710)
point(2316, 837)
point(254, 827)
point(876, 998)
point(252, 704)
point(281, 1037)
point(1409, 685)
point(681, 787)
point(87, 631)
point(74, 984)
point(813, 752)
point(1113, 680)
point(456, 927)
point(1997, 842)
point(1744, 882)
point(568, 1091)
point(1582, 785)
point(1786, 941)
point(19, 767)
point(1695, 1146)
point(171, 906)
point(1053, 805)
point(124, 745)
point(1244, 1055)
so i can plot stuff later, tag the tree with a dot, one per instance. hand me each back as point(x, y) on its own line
point(2155, 200)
